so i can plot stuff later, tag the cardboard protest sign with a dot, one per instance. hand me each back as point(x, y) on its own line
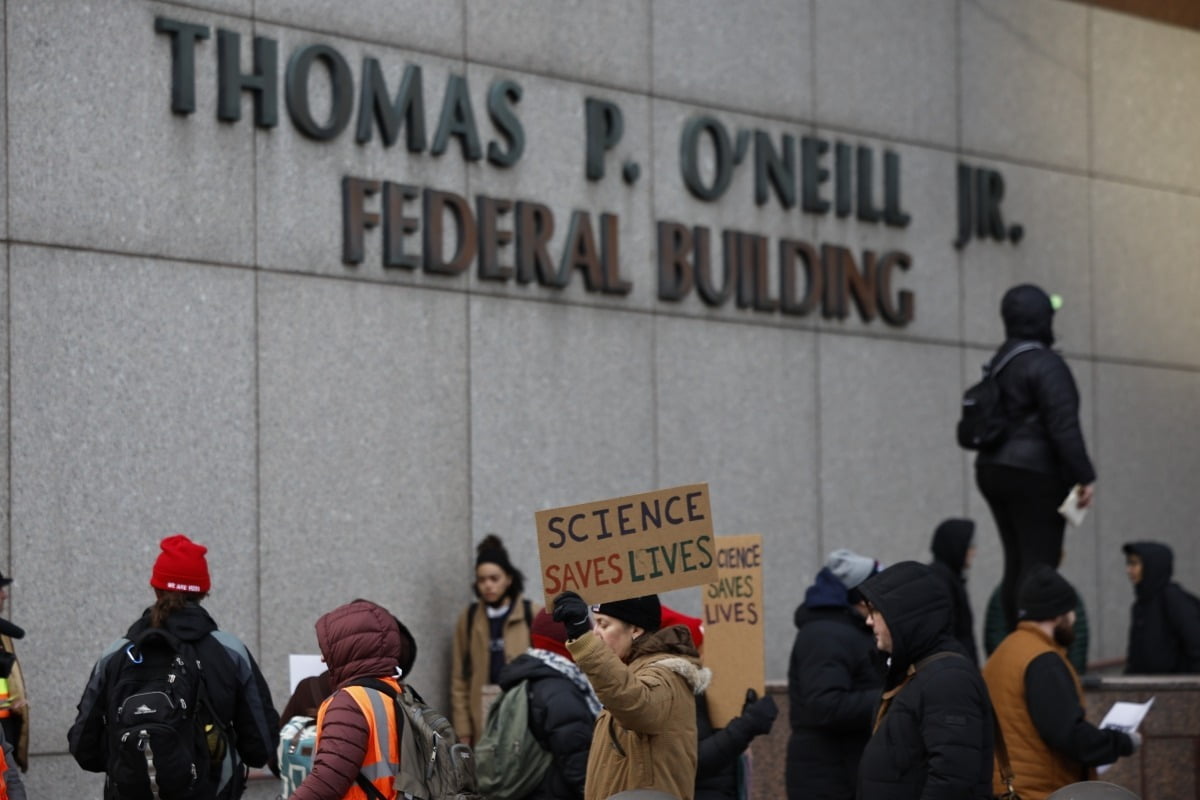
point(734, 625)
point(628, 546)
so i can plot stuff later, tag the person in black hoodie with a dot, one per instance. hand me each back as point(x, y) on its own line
point(834, 681)
point(953, 548)
point(1164, 627)
point(1025, 478)
point(562, 707)
point(933, 732)
point(236, 690)
point(719, 775)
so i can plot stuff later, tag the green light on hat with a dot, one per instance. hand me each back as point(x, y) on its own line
point(1056, 301)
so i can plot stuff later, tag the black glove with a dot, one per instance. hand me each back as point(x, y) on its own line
point(759, 714)
point(571, 611)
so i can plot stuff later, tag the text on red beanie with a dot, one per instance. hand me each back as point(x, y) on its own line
point(181, 566)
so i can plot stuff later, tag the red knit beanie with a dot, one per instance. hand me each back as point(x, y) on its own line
point(546, 634)
point(181, 566)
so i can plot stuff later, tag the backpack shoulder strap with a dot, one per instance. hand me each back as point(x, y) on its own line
point(368, 787)
point(466, 656)
point(1023, 347)
point(529, 617)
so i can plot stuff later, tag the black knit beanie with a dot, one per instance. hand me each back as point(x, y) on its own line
point(642, 612)
point(491, 551)
point(1044, 594)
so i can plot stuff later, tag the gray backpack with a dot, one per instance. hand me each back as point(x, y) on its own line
point(433, 765)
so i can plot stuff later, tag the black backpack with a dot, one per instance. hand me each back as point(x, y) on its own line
point(156, 717)
point(984, 422)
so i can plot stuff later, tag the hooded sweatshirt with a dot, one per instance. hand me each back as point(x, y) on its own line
point(645, 738)
point(1164, 629)
point(933, 735)
point(1039, 394)
point(951, 541)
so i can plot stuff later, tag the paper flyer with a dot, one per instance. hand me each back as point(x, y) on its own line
point(1124, 716)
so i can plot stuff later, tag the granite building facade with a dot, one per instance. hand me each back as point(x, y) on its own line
point(338, 292)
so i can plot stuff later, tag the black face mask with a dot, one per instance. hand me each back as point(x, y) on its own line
point(1064, 634)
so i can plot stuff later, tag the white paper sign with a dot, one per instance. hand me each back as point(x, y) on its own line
point(301, 666)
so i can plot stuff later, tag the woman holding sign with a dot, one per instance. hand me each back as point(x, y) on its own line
point(489, 634)
point(647, 678)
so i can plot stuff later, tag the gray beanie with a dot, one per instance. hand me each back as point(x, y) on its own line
point(849, 567)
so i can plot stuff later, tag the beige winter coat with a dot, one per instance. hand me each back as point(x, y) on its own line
point(471, 658)
point(645, 738)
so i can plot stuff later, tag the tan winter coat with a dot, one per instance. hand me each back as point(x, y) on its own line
point(471, 657)
point(645, 738)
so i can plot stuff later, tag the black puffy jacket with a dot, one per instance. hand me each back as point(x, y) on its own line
point(236, 690)
point(933, 740)
point(561, 722)
point(951, 541)
point(1164, 627)
point(834, 682)
point(1040, 396)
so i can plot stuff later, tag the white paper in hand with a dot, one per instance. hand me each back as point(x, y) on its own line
point(1125, 717)
point(1070, 508)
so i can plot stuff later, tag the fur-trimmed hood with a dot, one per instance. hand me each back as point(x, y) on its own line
point(698, 677)
point(673, 649)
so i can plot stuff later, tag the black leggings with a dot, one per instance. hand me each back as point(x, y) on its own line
point(1025, 505)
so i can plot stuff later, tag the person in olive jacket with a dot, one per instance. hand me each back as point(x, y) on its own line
point(562, 708)
point(933, 732)
point(835, 677)
point(1164, 626)
point(358, 640)
point(647, 679)
point(1025, 479)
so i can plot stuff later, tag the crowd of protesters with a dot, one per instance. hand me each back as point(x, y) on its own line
point(887, 699)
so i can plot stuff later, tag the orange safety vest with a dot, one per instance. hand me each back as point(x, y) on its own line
point(382, 761)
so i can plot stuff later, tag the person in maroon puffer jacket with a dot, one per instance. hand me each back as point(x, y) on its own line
point(358, 640)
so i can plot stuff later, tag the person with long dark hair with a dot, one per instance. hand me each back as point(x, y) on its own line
point(490, 633)
point(243, 727)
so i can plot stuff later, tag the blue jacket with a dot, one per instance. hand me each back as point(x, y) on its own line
point(834, 682)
